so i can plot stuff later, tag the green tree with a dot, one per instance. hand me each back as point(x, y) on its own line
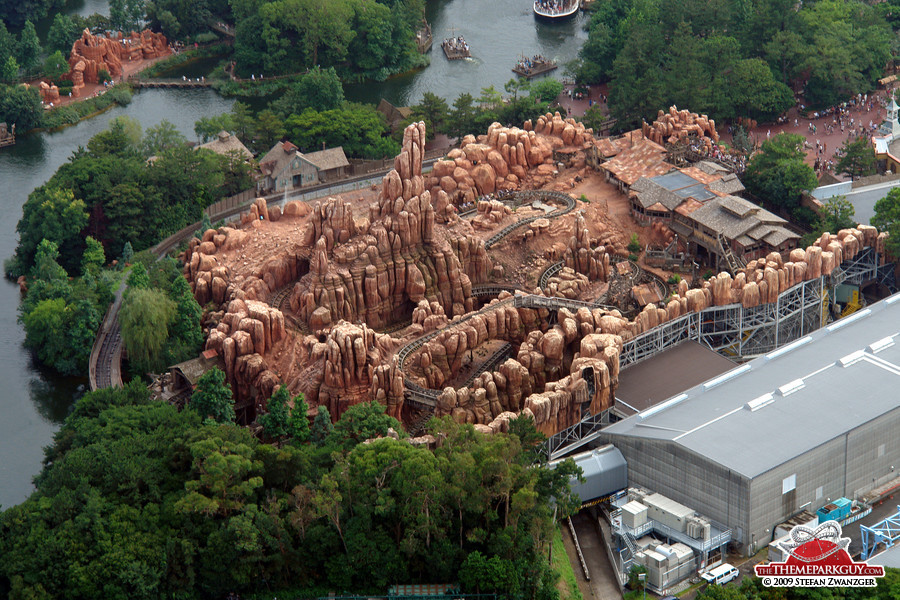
point(462, 117)
point(319, 89)
point(205, 225)
point(138, 278)
point(281, 420)
point(9, 71)
point(94, 258)
point(837, 214)
point(161, 137)
point(55, 66)
point(144, 319)
point(185, 334)
point(127, 253)
point(208, 128)
point(126, 15)
point(857, 158)
point(54, 215)
point(546, 90)
point(20, 105)
point(225, 475)
point(45, 330)
point(321, 427)
point(778, 174)
point(887, 218)
point(361, 422)
point(28, 50)
point(212, 398)
point(269, 129)
point(432, 109)
point(62, 34)
point(179, 18)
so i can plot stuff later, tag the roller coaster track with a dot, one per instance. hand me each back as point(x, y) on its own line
point(105, 363)
point(277, 299)
point(423, 397)
point(521, 198)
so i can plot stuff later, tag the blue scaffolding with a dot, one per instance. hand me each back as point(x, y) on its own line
point(887, 531)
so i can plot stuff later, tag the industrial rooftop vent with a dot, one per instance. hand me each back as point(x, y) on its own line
point(852, 358)
point(757, 403)
point(876, 347)
point(789, 388)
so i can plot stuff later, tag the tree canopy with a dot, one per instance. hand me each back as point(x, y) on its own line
point(110, 192)
point(729, 59)
point(778, 174)
point(359, 38)
point(139, 500)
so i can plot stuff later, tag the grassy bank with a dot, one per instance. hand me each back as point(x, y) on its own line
point(83, 109)
point(568, 585)
point(157, 68)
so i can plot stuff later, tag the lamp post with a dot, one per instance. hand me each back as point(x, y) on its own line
point(643, 579)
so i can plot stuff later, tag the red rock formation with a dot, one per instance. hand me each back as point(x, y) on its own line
point(92, 54)
point(376, 269)
point(676, 125)
point(583, 257)
point(504, 159)
point(49, 93)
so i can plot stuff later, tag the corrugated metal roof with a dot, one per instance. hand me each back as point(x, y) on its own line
point(605, 472)
point(729, 418)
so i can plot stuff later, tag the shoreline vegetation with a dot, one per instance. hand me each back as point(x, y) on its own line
point(61, 117)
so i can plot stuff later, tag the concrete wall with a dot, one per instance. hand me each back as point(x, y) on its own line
point(848, 466)
point(695, 481)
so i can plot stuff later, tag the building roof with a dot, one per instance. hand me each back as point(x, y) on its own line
point(194, 368)
point(810, 388)
point(729, 184)
point(676, 187)
point(325, 160)
point(734, 217)
point(645, 158)
point(276, 159)
point(226, 142)
point(604, 469)
point(686, 365)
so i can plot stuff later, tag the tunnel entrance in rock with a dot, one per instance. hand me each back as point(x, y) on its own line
point(302, 267)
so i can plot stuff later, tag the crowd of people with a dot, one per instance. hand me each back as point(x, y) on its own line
point(735, 161)
point(528, 64)
point(553, 7)
point(457, 44)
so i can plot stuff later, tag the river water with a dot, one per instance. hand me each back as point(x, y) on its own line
point(34, 401)
point(498, 32)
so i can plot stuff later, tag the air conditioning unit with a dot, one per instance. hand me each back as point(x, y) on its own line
point(698, 528)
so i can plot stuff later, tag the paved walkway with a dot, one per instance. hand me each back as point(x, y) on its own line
point(603, 584)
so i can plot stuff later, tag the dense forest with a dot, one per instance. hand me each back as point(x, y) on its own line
point(360, 38)
point(138, 500)
point(113, 192)
point(735, 58)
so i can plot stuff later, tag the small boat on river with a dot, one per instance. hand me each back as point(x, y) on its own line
point(456, 48)
point(534, 66)
point(555, 10)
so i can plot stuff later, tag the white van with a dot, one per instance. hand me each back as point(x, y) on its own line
point(721, 574)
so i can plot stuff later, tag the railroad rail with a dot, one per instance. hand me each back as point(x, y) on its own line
point(495, 359)
point(521, 198)
point(427, 397)
point(550, 272)
point(104, 366)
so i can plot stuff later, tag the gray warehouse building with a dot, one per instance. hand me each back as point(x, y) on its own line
point(804, 425)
